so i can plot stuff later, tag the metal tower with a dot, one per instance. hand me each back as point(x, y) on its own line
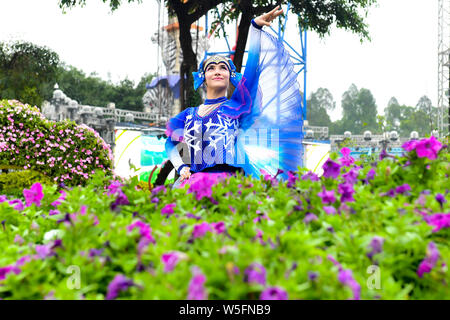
point(298, 58)
point(443, 67)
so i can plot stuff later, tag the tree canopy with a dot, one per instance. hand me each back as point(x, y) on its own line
point(27, 71)
point(318, 16)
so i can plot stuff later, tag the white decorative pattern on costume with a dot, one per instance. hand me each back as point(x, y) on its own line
point(193, 135)
point(222, 133)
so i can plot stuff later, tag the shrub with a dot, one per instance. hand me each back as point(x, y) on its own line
point(64, 151)
point(13, 183)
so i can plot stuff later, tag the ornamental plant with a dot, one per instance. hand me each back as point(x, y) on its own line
point(64, 151)
point(378, 230)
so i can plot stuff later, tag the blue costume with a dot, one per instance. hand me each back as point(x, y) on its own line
point(259, 127)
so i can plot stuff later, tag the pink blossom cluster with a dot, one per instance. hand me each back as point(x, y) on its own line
point(33, 142)
point(425, 148)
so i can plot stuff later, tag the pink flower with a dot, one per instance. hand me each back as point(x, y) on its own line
point(201, 183)
point(428, 148)
point(273, 293)
point(171, 259)
point(430, 260)
point(33, 195)
point(327, 196)
point(118, 284)
point(219, 227)
point(255, 273)
point(346, 159)
point(201, 229)
point(331, 169)
point(168, 209)
point(196, 290)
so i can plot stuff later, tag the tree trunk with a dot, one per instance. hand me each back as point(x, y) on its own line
point(244, 25)
point(188, 65)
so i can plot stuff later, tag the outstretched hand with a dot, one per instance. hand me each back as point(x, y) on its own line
point(266, 18)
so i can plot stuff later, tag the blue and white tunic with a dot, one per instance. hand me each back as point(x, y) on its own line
point(259, 127)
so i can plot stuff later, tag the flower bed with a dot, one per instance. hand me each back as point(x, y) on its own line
point(374, 231)
point(64, 151)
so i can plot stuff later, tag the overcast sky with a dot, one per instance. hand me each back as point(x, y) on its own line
point(401, 60)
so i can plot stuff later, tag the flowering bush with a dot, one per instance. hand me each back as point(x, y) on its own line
point(64, 151)
point(376, 231)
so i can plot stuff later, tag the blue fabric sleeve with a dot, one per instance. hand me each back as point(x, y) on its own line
point(268, 102)
point(174, 133)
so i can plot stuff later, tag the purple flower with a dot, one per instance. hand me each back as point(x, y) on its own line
point(168, 209)
point(371, 174)
point(190, 215)
point(255, 273)
point(200, 230)
point(430, 260)
point(95, 252)
point(409, 145)
point(312, 275)
point(331, 169)
point(310, 176)
point(157, 189)
point(18, 239)
point(219, 227)
point(114, 187)
point(292, 178)
point(268, 176)
point(377, 246)
point(345, 277)
point(351, 176)
point(441, 199)
point(57, 202)
point(196, 290)
point(170, 260)
point(309, 217)
point(8, 269)
point(383, 154)
point(273, 293)
point(438, 220)
point(3, 198)
point(53, 212)
point(118, 284)
point(202, 182)
point(346, 159)
point(33, 195)
point(391, 193)
point(18, 204)
point(329, 210)
point(327, 196)
point(121, 200)
point(403, 189)
point(346, 190)
point(44, 251)
point(428, 148)
point(146, 235)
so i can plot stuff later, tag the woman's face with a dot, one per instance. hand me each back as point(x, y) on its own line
point(217, 76)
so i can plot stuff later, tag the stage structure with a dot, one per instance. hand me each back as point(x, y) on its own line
point(443, 67)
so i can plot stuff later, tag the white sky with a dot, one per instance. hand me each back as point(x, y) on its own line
point(400, 61)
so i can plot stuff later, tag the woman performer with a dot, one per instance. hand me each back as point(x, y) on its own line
point(259, 129)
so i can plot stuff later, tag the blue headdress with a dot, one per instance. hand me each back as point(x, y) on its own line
point(199, 76)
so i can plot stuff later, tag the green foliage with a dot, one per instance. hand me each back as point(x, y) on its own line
point(359, 111)
point(94, 91)
point(64, 151)
point(318, 104)
point(264, 223)
point(13, 183)
point(27, 72)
